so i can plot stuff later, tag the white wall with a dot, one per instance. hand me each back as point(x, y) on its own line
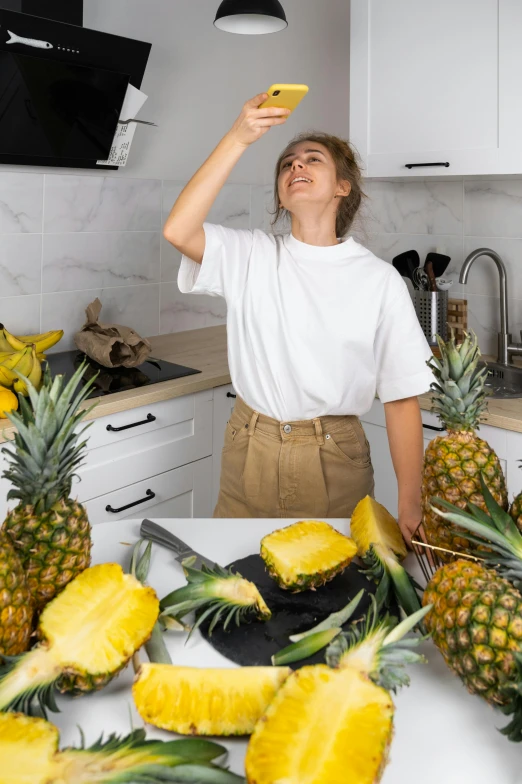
point(198, 77)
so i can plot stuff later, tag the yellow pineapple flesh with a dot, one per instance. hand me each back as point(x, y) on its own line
point(194, 701)
point(324, 726)
point(89, 633)
point(306, 555)
point(27, 749)
point(372, 525)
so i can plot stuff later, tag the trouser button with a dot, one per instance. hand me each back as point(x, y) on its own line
point(287, 428)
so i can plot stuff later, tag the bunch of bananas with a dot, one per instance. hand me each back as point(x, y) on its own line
point(22, 356)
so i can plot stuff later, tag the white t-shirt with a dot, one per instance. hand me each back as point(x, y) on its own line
point(311, 330)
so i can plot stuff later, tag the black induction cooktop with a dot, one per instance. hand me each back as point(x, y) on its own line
point(118, 379)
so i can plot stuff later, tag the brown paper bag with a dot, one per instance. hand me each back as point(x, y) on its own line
point(111, 345)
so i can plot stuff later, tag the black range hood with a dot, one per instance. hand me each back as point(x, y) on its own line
point(68, 11)
point(61, 23)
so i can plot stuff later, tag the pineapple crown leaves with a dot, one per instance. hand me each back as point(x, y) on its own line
point(380, 647)
point(35, 701)
point(139, 761)
point(497, 529)
point(139, 568)
point(217, 593)
point(48, 449)
point(393, 581)
point(459, 395)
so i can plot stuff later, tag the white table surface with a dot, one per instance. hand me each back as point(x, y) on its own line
point(442, 733)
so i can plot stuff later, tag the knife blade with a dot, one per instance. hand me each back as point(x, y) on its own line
point(156, 533)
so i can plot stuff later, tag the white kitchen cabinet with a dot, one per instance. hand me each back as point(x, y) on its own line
point(4, 487)
point(183, 492)
point(224, 402)
point(436, 84)
point(155, 439)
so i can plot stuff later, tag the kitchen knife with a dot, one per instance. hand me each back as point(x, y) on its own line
point(156, 533)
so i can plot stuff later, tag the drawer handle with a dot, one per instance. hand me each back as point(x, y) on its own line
point(150, 418)
point(229, 394)
point(432, 427)
point(148, 495)
point(416, 165)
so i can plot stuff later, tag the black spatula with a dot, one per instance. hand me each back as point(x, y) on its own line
point(406, 262)
point(440, 263)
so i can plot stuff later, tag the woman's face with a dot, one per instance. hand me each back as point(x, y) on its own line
point(307, 175)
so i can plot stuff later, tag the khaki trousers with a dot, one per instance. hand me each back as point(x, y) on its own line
point(311, 469)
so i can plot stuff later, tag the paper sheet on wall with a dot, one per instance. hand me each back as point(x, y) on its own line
point(120, 148)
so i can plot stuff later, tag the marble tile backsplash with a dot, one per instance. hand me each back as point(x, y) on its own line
point(66, 239)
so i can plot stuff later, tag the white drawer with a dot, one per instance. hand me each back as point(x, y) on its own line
point(130, 460)
point(182, 492)
point(144, 419)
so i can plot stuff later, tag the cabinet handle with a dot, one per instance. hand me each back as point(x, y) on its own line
point(148, 495)
point(416, 165)
point(229, 394)
point(150, 418)
point(432, 427)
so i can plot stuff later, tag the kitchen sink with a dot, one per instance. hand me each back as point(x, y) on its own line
point(503, 381)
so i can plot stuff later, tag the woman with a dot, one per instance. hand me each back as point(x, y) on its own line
point(316, 325)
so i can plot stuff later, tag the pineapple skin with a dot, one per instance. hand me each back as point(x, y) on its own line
point(16, 611)
point(317, 574)
point(476, 622)
point(452, 467)
point(54, 546)
point(515, 511)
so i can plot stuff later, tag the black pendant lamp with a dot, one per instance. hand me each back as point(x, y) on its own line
point(251, 17)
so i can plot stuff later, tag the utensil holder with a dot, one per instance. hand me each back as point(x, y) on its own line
point(432, 311)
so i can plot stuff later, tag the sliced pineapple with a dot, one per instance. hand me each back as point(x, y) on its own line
point(89, 632)
point(194, 701)
point(324, 726)
point(306, 555)
point(29, 755)
point(372, 524)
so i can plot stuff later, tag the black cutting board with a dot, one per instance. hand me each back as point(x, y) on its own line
point(254, 642)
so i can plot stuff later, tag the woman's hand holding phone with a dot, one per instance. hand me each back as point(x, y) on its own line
point(254, 122)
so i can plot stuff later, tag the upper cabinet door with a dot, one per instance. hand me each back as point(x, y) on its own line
point(436, 83)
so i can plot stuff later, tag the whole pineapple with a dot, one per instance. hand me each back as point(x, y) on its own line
point(476, 616)
point(453, 462)
point(515, 510)
point(48, 528)
point(16, 612)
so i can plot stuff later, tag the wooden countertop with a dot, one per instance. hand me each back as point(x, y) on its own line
point(206, 350)
point(202, 349)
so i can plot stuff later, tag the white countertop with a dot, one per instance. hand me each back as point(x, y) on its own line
point(442, 733)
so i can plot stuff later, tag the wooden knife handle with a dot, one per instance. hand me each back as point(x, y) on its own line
point(431, 276)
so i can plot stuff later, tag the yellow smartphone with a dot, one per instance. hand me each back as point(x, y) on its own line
point(285, 96)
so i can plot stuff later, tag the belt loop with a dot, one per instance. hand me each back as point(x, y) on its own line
point(253, 422)
point(318, 431)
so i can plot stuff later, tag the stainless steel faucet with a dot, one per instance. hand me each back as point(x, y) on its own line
point(505, 347)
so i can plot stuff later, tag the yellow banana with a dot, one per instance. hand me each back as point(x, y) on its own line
point(13, 341)
point(34, 374)
point(5, 354)
point(43, 341)
point(7, 376)
point(4, 345)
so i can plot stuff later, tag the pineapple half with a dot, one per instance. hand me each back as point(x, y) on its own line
point(381, 547)
point(306, 555)
point(16, 611)
point(49, 529)
point(476, 620)
point(453, 463)
point(333, 724)
point(197, 701)
point(30, 755)
point(88, 634)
